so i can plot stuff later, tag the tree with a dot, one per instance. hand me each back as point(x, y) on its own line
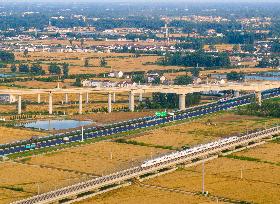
point(235, 76)
point(87, 62)
point(71, 42)
point(37, 69)
point(183, 80)
point(138, 78)
point(195, 72)
point(23, 68)
point(25, 53)
point(82, 42)
point(78, 82)
point(13, 68)
point(54, 69)
point(235, 48)
point(65, 69)
point(7, 56)
point(103, 62)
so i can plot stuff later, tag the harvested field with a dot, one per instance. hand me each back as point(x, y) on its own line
point(112, 117)
point(259, 183)
point(19, 180)
point(209, 128)
point(125, 62)
point(96, 158)
point(137, 194)
point(269, 152)
point(14, 134)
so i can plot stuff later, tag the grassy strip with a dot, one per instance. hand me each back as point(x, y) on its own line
point(13, 188)
point(133, 142)
point(277, 140)
point(244, 158)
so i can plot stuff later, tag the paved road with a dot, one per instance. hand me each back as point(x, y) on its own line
point(90, 133)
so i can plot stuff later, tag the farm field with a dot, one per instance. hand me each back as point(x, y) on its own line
point(125, 62)
point(203, 130)
point(138, 194)
point(13, 134)
point(19, 180)
point(98, 158)
point(258, 182)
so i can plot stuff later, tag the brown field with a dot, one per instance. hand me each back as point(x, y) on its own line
point(137, 194)
point(259, 182)
point(96, 158)
point(199, 131)
point(221, 47)
point(268, 152)
point(28, 179)
point(112, 117)
point(14, 134)
point(116, 61)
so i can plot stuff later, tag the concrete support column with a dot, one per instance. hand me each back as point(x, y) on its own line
point(80, 103)
point(39, 98)
point(109, 103)
point(131, 102)
point(259, 97)
point(66, 98)
point(19, 104)
point(236, 94)
point(182, 101)
point(140, 97)
point(87, 98)
point(114, 97)
point(50, 104)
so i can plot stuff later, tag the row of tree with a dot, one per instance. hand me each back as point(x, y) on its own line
point(199, 58)
point(37, 69)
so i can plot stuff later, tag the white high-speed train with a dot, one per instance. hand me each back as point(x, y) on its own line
point(184, 153)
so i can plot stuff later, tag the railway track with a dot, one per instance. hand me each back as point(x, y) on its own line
point(88, 186)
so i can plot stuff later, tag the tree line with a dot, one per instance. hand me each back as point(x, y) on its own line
point(199, 58)
point(37, 69)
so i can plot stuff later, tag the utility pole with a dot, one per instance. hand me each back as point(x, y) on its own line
point(38, 188)
point(241, 173)
point(203, 174)
point(82, 133)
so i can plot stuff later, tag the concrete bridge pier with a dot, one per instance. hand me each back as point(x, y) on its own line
point(182, 101)
point(66, 98)
point(80, 103)
point(131, 102)
point(109, 103)
point(50, 103)
point(140, 97)
point(19, 104)
point(259, 97)
point(87, 98)
point(39, 98)
point(236, 94)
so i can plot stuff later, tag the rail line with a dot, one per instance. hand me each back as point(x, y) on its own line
point(89, 186)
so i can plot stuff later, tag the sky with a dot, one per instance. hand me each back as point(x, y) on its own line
point(213, 1)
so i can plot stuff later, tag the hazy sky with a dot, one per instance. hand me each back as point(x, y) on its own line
point(193, 1)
